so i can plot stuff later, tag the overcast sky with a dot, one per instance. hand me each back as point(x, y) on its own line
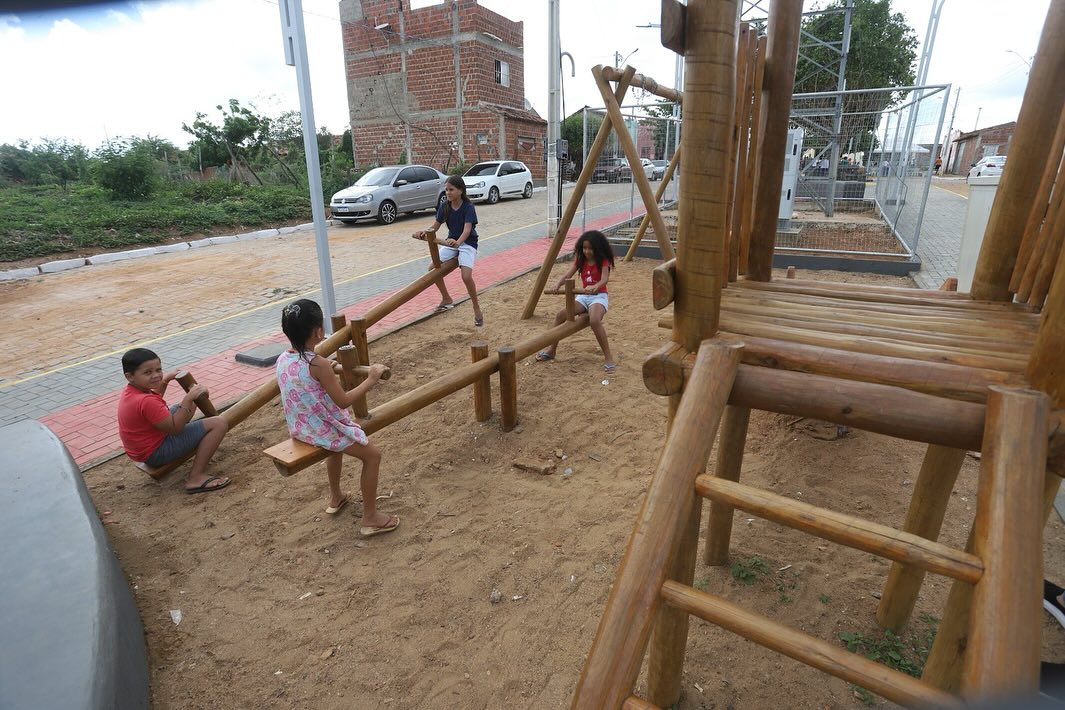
point(142, 68)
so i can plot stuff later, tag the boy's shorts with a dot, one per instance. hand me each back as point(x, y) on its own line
point(588, 300)
point(175, 445)
point(467, 254)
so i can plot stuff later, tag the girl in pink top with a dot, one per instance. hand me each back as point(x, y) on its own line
point(316, 410)
point(594, 259)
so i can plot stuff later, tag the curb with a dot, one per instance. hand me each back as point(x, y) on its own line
point(54, 267)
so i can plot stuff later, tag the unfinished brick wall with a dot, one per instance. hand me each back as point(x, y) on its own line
point(391, 108)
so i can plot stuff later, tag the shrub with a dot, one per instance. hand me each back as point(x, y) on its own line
point(128, 173)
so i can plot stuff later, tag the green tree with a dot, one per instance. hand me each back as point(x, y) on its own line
point(660, 110)
point(128, 169)
point(242, 132)
point(573, 132)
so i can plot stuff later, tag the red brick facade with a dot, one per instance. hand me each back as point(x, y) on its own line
point(402, 70)
point(980, 143)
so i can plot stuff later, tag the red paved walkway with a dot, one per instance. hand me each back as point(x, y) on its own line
point(89, 430)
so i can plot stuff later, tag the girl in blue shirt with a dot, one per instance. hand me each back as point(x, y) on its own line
point(458, 214)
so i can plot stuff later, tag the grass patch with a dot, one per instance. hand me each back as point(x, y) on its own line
point(38, 221)
point(906, 653)
point(749, 570)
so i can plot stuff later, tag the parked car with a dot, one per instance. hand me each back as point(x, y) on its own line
point(383, 193)
point(991, 165)
point(648, 168)
point(493, 179)
point(659, 169)
point(612, 170)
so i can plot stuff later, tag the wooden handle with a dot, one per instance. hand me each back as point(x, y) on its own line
point(203, 402)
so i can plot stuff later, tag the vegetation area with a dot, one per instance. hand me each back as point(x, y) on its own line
point(241, 170)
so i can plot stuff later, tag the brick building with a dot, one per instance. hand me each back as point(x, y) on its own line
point(968, 148)
point(439, 85)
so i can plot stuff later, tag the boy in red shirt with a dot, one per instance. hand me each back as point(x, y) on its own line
point(156, 434)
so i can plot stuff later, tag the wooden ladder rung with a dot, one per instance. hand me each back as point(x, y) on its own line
point(894, 685)
point(292, 456)
point(634, 702)
point(845, 529)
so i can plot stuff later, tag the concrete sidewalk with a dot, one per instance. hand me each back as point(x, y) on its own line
point(79, 402)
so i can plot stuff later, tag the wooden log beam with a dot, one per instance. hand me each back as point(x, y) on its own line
point(666, 177)
point(885, 294)
point(1044, 100)
point(615, 658)
point(731, 441)
point(886, 410)
point(663, 284)
point(1046, 367)
point(628, 146)
point(738, 150)
point(1044, 237)
point(1038, 210)
point(397, 299)
point(848, 530)
point(894, 685)
point(482, 388)
point(508, 387)
point(585, 177)
point(1002, 658)
point(203, 402)
point(785, 18)
point(924, 517)
point(1049, 261)
point(648, 84)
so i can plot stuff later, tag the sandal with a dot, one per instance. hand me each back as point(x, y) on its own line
point(478, 321)
point(609, 368)
point(444, 307)
point(370, 530)
point(544, 356)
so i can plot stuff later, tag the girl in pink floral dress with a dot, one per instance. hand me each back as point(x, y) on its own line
point(316, 410)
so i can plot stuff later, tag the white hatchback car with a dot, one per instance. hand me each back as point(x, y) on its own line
point(991, 165)
point(493, 179)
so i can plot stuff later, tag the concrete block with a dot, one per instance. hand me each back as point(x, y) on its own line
point(260, 234)
point(65, 265)
point(261, 356)
point(199, 243)
point(26, 273)
point(228, 239)
point(176, 246)
point(120, 255)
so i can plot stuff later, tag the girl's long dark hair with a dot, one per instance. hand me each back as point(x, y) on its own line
point(457, 182)
point(298, 321)
point(601, 249)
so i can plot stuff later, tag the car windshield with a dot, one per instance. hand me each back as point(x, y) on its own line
point(377, 177)
point(482, 169)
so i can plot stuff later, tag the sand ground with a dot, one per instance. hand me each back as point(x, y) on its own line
point(283, 606)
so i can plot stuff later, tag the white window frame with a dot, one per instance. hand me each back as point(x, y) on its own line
point(502, 72)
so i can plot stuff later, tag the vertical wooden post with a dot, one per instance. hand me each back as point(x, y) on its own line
point(785, 17)
point(1046, 366)
point(1044, 98)
point(730, 445)
point(928, 505)
point(753, 157)
point(508, 387)
point(482, 388)
point(348, 362)
point(943, 667)
point(575, 199)
point(737, 144)
point(1039, 206)
point(710, 93)
point(434, 252)
point(203, 402)
point(702, 239)
point(571, 301)
point(1003, 653)
point(362, 350)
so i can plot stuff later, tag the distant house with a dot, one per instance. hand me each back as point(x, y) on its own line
point(968, 148)
point(439, 85)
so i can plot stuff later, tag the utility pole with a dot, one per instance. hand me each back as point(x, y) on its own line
point(554, 119)
point(295, 40)
point(950, 129)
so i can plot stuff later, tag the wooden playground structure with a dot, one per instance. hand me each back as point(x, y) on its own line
point(960, 372)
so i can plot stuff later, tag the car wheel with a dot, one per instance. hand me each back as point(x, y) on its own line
point(441, 200)
point(493, 196)
point(387, 213)
point(528, 191)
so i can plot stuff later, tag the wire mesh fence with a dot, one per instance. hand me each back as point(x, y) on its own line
point(655, 138)
point(867, 160)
